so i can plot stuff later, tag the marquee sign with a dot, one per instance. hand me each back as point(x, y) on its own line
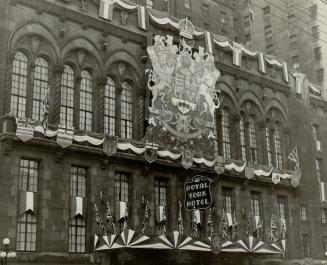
point(197, 194)
point(184, 100)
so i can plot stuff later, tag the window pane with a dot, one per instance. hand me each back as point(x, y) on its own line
point(252, 141)
point(109, 107)
point(121, 187)
point(19, 85)
point(26, 232)
point(86, 101)
point(226, 134)
point(77, 181)
point(28, 175)
point(67, 96)
point(77, 234)
point(126, 129)
point(242, 139)
point(278, 151)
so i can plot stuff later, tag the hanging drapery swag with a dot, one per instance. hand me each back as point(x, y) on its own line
point(25, 129)
point(65, 136)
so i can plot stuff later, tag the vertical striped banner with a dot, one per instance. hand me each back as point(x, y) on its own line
point(209, 42)
point(322, 192)
point(285, 72)
point(237, 54)
point(142, 12)
point(106, 9)
point(262, 64)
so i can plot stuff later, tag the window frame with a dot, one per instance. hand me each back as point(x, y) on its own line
point(67, 89)
point(243, 143)
point(77, 228)
point(256, 203)
point(36, 178)
point(277, 140)
point(110, 107)
point(127, 105)
point(226, 133)
point(306, 245)
point(28, 225)
point(252, 137)
point(86, 101)
point(228, 205)
point(303, 217)
point(78, 186)
point(121, 192)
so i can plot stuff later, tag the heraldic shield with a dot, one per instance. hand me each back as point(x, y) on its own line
point(184, 96)
point(110, 145)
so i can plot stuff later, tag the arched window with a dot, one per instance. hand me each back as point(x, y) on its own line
point(252, 141)
point(77, 234)
point(268, 146)
point(26, 232)
point(19, 85)
point(110, 107)
point(86, 101)
point(67, 96)
point(242, 139)
point(40, 86)
point(225, 124)
point(278, 150)
point(126, 109)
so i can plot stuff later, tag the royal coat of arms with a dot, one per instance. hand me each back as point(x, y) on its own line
point(182, 82)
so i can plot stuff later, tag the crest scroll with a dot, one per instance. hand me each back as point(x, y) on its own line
point(184, 99)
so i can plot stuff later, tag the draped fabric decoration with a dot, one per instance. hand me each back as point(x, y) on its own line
point(209, 42)
point(294, 157)
point(299, 82)
point(106, 9)
point(285, 72)
point(180, 219)
point(142, 17)
point(262, 65)
point(237, 54)
point(255, 245)
point(162, 219)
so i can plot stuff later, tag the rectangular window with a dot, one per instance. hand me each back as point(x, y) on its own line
point(320, 75)
point(282, 201)
point(323, 215)
point(161, 192)
point(26, 232)
point(227, 199)
point(303, 213)
point(121, 187)
point(67, 97)
point(268, 32)
point(306, 245)
point(78, 181)
point(28, 175)
point(317, 53)
point(242, 138)
point(293, 41)
point(315, 32)
point(86, 101)
point(255, 203)
point(187, 4)
point(268, 146)
point(222, 17)
point(110, 107)
point(225, 126)
point(205, 10)
point(77, 235)
point(313, 11)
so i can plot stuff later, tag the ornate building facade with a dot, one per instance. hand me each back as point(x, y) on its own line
point(82, 179)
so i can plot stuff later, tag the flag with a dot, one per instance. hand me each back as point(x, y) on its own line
point(45, 110)
point(251, 9)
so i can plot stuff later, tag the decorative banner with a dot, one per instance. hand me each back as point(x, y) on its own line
point(26, 201)
point(25, 130)
point(65, 136)
point(120, 210)
point(275, 177)
point(106, 9)
point(209, 42)
point(197, 194)
point(249, 172)
point(262, 64)
point(160, 214)
point(322, 192)
point(110, 145)
point(237, 54)
point(143, 17)
point(299, 82)
point(220, 165)
point(285, 72)
point(151, 152)
point(216, 243)
point(184, 97)
point(76, 206)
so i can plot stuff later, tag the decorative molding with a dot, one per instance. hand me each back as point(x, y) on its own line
point(7, 148)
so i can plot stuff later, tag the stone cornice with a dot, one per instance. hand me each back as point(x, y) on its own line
point(103, 26)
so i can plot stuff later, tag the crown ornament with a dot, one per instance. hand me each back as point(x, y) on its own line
point(186, 28)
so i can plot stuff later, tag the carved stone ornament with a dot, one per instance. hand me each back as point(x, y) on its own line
point(35, 43)
point(80, 57)
point(184, 99)
point(110, 145)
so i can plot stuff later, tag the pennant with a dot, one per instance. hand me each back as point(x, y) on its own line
point(110, 145)
point(106, 9)
point(26, 201)
point(322, 192)
point(24, 130)
point(77, 206)
point(187, 159)
point(65, 136)
point(209, 42)
point(262, 63)
point(285, 72)
point(249, 172)
point(143, 17)
point(275, 177)
point(151, 152)
point(237, 54)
